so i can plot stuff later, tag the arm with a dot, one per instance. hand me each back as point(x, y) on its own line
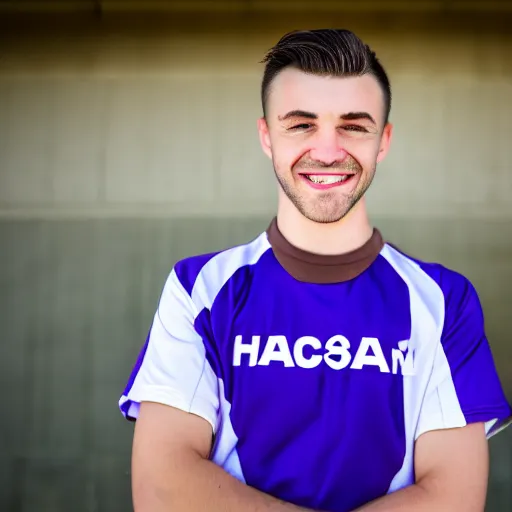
point(462, 407)
point(171, 470)
point(451, 468)
point(173, 395)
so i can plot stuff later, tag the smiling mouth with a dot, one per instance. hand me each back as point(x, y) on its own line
point(327, 179)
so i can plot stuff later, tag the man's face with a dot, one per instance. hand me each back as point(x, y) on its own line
point(325, 136)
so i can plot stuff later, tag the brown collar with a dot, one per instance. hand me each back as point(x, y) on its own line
point(322, 269)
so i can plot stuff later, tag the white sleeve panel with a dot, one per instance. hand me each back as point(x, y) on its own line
point(441, 408)
point(174, 369)
point(464, 386)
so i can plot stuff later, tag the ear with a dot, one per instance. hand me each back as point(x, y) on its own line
point(385, 142)
point(264, 137)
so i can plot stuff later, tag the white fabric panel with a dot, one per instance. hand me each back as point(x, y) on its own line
point(224, 450)
point(215, 274)
point(421, 409)
point(441, 408)
point(175, 371)
point(493, 427)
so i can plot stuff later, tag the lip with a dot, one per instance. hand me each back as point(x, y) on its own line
point(326, 186)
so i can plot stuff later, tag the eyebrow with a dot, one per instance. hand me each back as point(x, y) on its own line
point(297, 113)
point(349, 116)
point(352, 116)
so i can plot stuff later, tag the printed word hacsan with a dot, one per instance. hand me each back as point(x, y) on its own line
point(335, 353)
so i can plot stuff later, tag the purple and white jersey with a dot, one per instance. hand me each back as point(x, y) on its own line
point(318, 373)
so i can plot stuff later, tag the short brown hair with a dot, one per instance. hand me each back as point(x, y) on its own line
point(335, 52)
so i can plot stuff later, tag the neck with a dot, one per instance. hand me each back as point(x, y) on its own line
point(346, 235)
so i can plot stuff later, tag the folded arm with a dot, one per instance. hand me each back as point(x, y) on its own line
point(451, 468)
point(171, 470)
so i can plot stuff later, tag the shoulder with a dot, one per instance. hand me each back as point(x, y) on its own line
point(209, 272)
point(455, 290)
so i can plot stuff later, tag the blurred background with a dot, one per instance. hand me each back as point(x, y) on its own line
point(128, 140)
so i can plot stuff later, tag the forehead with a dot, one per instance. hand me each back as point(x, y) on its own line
point(293, 89)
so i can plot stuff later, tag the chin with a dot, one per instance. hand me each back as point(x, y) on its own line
point(324, 217)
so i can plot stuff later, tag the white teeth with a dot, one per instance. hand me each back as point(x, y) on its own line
point(327, 180)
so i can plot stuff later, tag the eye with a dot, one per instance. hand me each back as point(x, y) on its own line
point(302, 126)
point(355, 128)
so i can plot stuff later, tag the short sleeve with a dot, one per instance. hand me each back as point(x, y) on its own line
point(172, 368)
point(464, 386)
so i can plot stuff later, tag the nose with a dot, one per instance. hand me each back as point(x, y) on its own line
point(327, 148)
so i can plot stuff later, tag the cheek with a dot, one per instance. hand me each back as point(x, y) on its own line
point(365, 152)
point(285, 156)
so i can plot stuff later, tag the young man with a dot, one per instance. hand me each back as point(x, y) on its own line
point(316, 367)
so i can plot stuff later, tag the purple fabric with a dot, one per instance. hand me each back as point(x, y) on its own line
point(465, 344)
